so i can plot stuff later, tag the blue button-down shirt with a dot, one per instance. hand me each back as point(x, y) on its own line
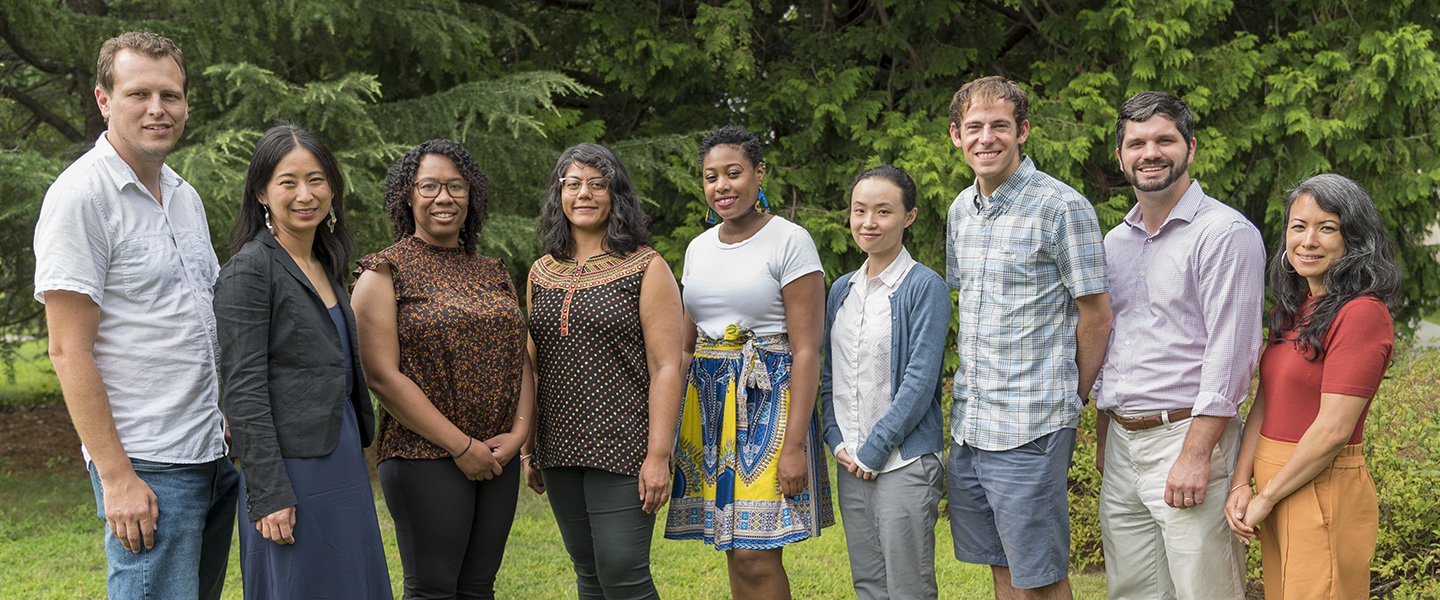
point(1018, 264)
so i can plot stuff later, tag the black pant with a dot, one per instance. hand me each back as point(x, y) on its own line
point(451, 531)
point(606, 532)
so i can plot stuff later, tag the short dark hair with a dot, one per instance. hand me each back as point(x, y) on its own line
point(333, 248)
point(401, 180)
point(1367, 267)
point(149, 44)
point(1144, 105)
point(627, 228)
point(733, 135)
point(990, 89)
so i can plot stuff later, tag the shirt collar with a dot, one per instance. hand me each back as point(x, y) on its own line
point(1006, 193)
point(893, 274)
point(1184, 210)
point(124, 174)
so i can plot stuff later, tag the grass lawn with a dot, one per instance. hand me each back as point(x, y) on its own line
point(29, 380)
point(50, 549)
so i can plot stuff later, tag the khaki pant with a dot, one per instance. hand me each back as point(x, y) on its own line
point(1318, 541)
point(1154, 551)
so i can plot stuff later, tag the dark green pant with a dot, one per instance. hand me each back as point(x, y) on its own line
point(606, 532)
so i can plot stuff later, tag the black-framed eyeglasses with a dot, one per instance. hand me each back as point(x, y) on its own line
point(429, 188)
point(571, 185)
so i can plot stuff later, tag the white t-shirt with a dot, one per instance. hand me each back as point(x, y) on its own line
point(151, 269)
point(740, 283)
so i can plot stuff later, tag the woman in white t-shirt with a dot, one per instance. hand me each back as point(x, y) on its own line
point(754, 306)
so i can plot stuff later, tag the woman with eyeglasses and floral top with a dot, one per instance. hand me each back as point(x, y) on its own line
point(605, 339)
point(442, 342)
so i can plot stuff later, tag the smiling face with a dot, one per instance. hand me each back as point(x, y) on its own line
point(438, 220)
point(1154, 156)
point(298, 195)
point(1312, 241)
point(878, 217)
point(991, 140)
point(147, 108)
point(586, 209)
point(732, 184)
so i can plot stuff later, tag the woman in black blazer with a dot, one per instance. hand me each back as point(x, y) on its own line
point(295, 398)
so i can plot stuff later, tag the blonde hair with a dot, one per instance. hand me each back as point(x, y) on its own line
point(149, 44)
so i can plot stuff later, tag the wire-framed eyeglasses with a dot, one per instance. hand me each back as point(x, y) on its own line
point(571, 185)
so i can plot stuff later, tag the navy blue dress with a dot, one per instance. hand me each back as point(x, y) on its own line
point(337, 552)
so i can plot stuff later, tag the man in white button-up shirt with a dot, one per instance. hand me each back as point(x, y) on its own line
point(1186, 283)
point(124, 266)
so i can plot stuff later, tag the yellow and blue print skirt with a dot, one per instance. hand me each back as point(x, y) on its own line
point(732, 423)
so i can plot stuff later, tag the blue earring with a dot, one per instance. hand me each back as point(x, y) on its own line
point(761, 204)
point(711, 217)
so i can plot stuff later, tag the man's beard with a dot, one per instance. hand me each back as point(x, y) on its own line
point(1154, 185)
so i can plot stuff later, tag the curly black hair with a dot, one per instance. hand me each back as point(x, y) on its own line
point(400, 181)
point(733, 135)
point(627, 229)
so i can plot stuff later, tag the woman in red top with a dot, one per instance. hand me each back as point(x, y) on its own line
point(1330, 339)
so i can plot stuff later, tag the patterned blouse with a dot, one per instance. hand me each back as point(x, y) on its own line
point(462, 336)
point(593, 380)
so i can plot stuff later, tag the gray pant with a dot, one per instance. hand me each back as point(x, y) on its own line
point(890, 529)
point(605, 530)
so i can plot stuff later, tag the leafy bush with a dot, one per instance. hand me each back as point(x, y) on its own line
point(1402, 449)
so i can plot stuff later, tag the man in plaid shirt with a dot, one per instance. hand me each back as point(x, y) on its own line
point(1026, 255)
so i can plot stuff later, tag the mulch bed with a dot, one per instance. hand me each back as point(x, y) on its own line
point(36, 441)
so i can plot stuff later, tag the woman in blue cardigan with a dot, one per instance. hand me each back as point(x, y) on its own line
point(885, 327)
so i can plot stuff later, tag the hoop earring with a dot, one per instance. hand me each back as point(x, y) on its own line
point(268, 225)
point(711, 217)
point(331, 223)
point(1285, 263)
point(761, 204)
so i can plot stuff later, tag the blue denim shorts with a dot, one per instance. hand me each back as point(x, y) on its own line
point(1010, 508)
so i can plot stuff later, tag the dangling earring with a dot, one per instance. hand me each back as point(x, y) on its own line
point(1285, 263)
point(761, 204)
point(711, 216)
point(268, 225)
point(331, 223)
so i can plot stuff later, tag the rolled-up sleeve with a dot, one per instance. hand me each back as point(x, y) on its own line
point(1232, 291)
point(72, 244)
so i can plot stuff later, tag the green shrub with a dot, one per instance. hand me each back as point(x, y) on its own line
point(1402, 449)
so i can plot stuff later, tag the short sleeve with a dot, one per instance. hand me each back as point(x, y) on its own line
point(798, 256)
point(72, 244)
point(1079, 249)
point(368, 263)
point(1357, 348)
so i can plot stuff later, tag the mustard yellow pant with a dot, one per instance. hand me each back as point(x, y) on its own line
point(1318, 542)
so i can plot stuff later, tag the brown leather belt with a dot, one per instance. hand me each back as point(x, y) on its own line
point(1143, 423)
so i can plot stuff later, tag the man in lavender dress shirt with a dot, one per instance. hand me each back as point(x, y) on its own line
point(1186, 284)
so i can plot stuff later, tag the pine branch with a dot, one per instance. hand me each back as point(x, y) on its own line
point(44, 114)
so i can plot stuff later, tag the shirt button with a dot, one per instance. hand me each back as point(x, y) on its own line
point(1127, 342)
point(1124, 377)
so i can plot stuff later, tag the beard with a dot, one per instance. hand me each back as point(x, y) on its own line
point(1154, 185)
